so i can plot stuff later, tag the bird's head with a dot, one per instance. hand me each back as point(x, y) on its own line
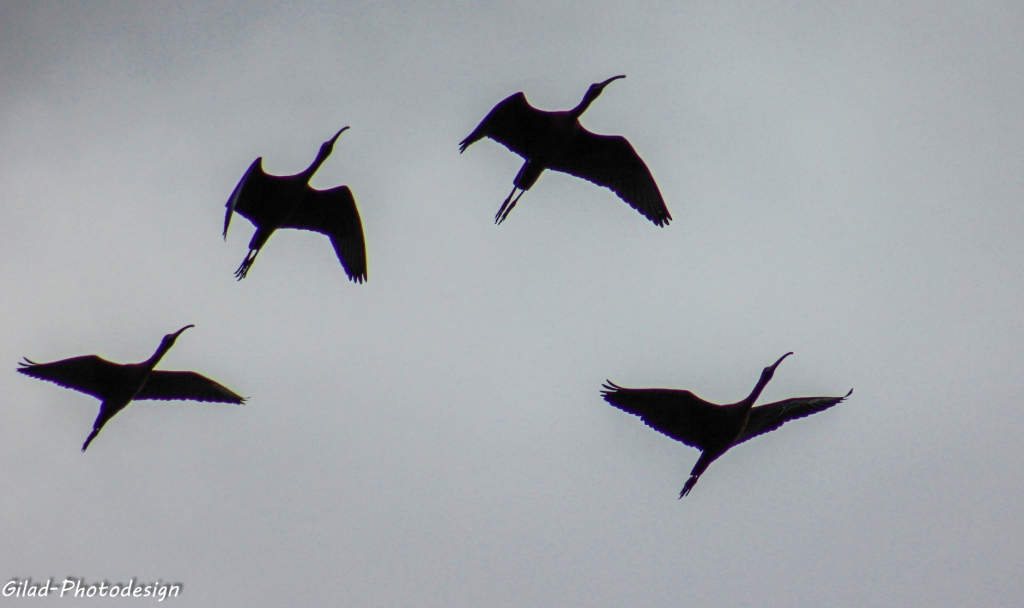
point(169, 339)
point(769, 371)
point(596, 88)
point(328, 146)
point(592, 93)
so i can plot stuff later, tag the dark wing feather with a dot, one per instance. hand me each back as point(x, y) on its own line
point(610, 161)
point(766, 418)
point(681, 415)
point(257, 197)
point(167, 386)
point(513, 123)
point(333, 212)
point(90, 374)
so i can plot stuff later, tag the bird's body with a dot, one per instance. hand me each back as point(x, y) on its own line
point(712, 428)
point(287, 201)
point(557, 141)
point(117, 385)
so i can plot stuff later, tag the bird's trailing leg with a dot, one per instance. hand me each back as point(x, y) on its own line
point(506, 207)
point(706, 458)
point(101, 419)
point(92, 436)
point(692, 481)
point(243, 269)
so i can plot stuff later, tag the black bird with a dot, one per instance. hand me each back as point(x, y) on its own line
point(557, 141)
point(274, 201)
point(709, 427)
point(116, 385)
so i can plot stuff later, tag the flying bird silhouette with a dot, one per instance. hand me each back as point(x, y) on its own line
point(709, 427)
point(274, 201)
point(116, 385)
point(557, 141)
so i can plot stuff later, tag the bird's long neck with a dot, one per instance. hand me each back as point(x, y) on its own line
point(585, 103)
point(150, 363)
point(754, 394)
point(321, 156)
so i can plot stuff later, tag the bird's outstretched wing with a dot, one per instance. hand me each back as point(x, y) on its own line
point(167, 386)
point(333, 212)
point(514, 123)
point(256, 196)
point(768, 417)
point(610, 161)
point(681, 415)
point(90, 374)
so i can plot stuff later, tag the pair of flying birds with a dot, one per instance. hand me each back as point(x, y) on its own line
point(547, 140)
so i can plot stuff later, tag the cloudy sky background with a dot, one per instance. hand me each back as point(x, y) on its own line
point(846, 183)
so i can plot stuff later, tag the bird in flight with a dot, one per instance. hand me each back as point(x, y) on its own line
point(116, 385)
point(557, 141)
point(275, 201)
point(709, 427)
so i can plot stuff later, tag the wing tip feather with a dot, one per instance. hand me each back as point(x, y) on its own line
point(610, 391)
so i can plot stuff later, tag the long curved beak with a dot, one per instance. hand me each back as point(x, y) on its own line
point(178, 333)
point(776, 364)
point(606, 82)
point(333, 139)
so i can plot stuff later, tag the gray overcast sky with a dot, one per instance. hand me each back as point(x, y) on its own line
point(846, 183)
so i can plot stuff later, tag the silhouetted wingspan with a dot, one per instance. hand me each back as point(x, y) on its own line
point(514, 123)
point(89, 374)
point(255, 197)
point(167, 386)
point(681, 415)
point(333, 212)
point(771, 416)
point(610, 161)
